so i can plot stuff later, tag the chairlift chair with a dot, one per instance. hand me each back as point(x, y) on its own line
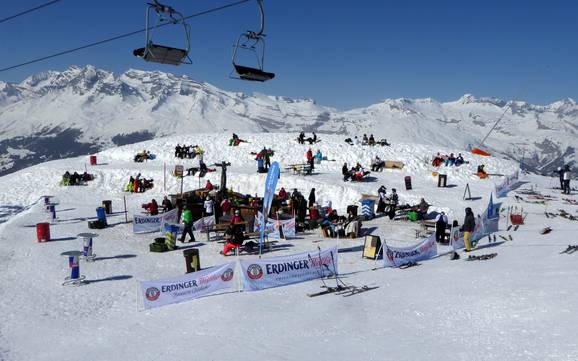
point(160, 53)
point(254, 42)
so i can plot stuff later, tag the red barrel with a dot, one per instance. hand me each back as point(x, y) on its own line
point(93, 160)
point(43, 232)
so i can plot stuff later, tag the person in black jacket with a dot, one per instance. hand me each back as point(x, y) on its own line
point(468, 227)
point(312, 197)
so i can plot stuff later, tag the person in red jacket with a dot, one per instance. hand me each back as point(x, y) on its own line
point(309, 156)
point(283, 193)
point(226, 206)
point(152, 207)
point(209, 185)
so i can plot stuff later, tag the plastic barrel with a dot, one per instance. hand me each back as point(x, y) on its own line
point(367, 208)
point(107, 206)
point(43, 232)
point(171, 236)
point(192, 260)
point(442, 180)
point(101, 215)
point(93, 160)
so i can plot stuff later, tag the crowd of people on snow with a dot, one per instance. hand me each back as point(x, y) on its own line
point(354, 174)
point(138, 184)
point(447, 160)
point(311, 140)
point(187, 151)
point(367, 141)
point(143, 156)
point(75, 179)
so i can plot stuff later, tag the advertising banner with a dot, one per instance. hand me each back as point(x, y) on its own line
point(183, 288)
point(270, 184)
point(275, 228)
point(204, 223)
point(397, 256)
point(263, 273)
point(509, 181)
point(145, 224)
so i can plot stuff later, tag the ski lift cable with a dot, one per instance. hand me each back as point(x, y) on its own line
point(126, 35)
point(495, 124)
point(29, 11)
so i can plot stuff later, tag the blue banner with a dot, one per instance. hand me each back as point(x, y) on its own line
point(270, 184)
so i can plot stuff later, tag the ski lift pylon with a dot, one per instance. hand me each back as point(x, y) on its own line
point(253, 42)
point(160, 53)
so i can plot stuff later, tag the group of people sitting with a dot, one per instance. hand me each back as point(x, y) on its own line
point(355, 174)
point(187, 151)
point(312, 140)
point(152, 208)
point(366, 141)
point(75, 179)
point(138, 184)
point(334, 225)
point(447, 160)
point(143, 156)
point(235, 140)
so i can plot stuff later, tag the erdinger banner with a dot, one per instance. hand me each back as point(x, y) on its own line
point(144, 224)
point(397, 256)
point(275, 228)
point(260, 274)
point(503, 188)
point(187, 287)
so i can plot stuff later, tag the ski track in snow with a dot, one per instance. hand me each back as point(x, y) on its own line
point(520, 305)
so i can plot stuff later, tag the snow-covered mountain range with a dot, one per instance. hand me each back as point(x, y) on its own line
point(83, 109)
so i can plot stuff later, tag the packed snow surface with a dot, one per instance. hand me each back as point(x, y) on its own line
point(521, 305)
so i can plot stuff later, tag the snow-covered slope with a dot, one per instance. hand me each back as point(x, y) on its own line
point(81, 110)
point(520, 305)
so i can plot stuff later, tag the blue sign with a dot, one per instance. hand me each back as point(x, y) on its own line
point(270, 184)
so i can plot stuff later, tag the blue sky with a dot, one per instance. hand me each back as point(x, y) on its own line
point(340, 53)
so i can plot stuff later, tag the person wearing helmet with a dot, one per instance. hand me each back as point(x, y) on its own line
point(234, 233)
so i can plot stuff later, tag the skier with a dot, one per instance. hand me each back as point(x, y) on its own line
point(209, 185)
point(226, 206)
point(312, 197)
point(468, 227)
point(393, 200)
point(187, 218)
point(566, 176)
point(345, 172)
point(441, 223)
point(301, 138)
point(560, 173)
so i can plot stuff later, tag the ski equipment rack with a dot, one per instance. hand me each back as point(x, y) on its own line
point(160, 53)
point(254, 42)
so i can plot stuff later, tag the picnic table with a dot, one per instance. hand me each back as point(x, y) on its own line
point(300, 169)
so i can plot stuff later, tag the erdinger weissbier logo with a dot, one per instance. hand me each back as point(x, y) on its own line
point(152, 293)
point(227, 275)
point(254, 272)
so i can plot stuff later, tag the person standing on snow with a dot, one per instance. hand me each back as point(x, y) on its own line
point(312, 197)
point(441, 223)
point(468, 227)
point(187, 218)
point(560, 173)
point(382, 194)
point(208, 205)
point(566, 178)
point(309, 156)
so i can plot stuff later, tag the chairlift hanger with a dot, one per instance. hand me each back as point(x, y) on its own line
point(254, 42)
point(160, 53)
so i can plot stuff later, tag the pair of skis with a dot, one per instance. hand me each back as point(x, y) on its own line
point(571, 249)
point(482, 257)
point(340, 287)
